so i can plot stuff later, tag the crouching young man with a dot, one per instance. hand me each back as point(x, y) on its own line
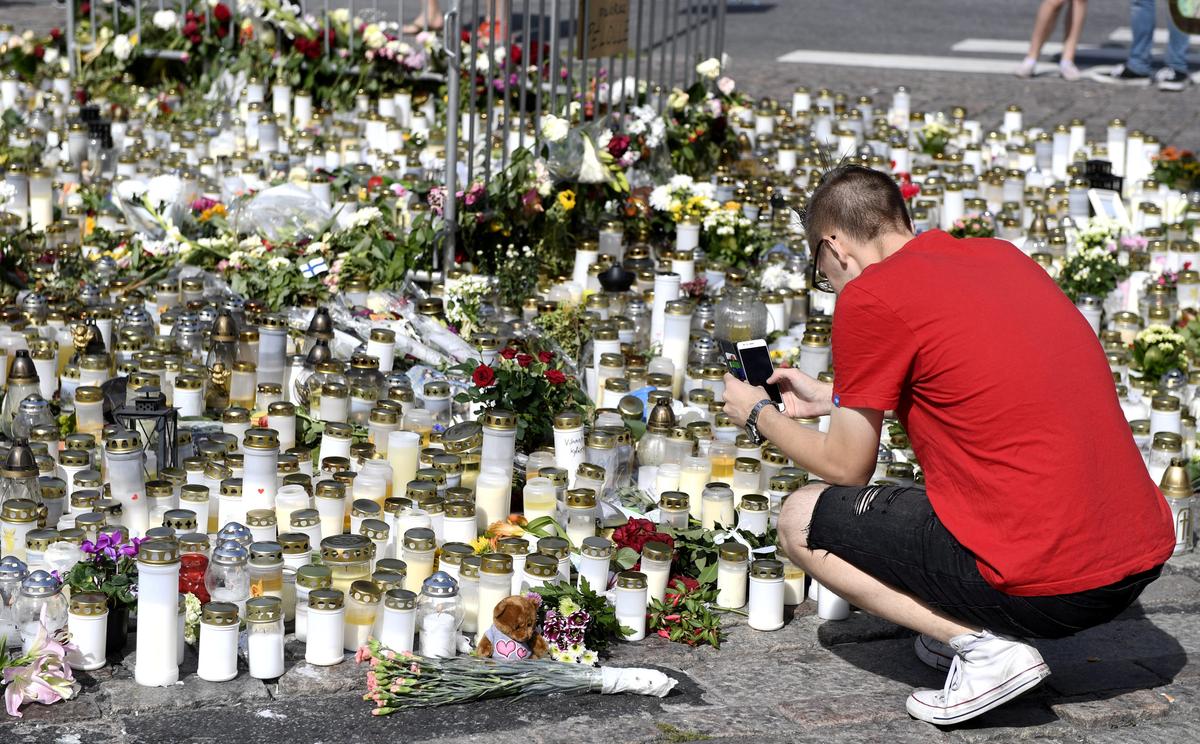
point(1038, 518)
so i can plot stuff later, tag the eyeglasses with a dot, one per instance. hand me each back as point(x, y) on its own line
point(816, 279)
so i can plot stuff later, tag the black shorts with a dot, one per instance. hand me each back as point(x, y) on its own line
point(892, 533)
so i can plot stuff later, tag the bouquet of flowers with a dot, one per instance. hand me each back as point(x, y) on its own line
point(1090, 271)
point(1178, 169)
point(464, 301)
point(1159, 349)
point(934, 137)
point(683, 196)
point(576, 622)
point(1099, 232)
point(397, 681)
point(532, 385)
point(732, 238)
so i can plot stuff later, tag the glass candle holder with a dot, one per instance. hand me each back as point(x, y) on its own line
point(264, 637)
point(499, 440)
point(495, 583)
point(766, 595)
point(732, 564)
point(325, 628)
point(158, 609)
point(399, 620)
point(580, 515)
point(753, 514)
point(493, 496)
point(362, 605)
point(126, 480)
point(439, 615)
point(348, 558)
point(631, 603)
point(540, 498)
point(468, 591)
point(217, 656)
point(717, 506)
point(418, 547)
point(87, 622)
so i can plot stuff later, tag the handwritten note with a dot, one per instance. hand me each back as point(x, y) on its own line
point(605, 28)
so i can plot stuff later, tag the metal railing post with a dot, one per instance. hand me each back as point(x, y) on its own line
point(453, 47)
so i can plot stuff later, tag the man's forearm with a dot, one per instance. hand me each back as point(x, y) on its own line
point(806, 447)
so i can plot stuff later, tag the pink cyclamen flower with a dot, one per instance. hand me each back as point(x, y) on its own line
point(726, 85)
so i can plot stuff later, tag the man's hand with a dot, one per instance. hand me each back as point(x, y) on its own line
point(740, 398)
point(803, 397)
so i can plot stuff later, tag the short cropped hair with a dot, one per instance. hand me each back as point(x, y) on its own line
point(858, 202)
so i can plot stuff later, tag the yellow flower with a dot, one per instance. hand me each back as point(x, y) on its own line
point(566, 200)
point(481, 544)
point(733, 206)
point(217, 210)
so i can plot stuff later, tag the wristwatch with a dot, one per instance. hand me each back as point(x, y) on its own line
point(752, 419)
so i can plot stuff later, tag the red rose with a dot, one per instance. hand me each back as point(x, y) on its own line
point(555, 377)
point(483, 376)
point(39, 51)
point(85, 9)
point(545, 356)
point(374, 182)
point(190, 28)
point(514, 54)
point(55, 34)
point(508, 352)
point(524, 360)
point(909, 190)
point(636, 533)
point(618, 145)
point(221, 13)
point(222, 32)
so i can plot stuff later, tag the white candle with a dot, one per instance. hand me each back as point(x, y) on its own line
point(666, 289)
point(540, 498)
point(438, 636)
point(766, 595)
point(492, 498)
point(403, 450)
point(157, 610)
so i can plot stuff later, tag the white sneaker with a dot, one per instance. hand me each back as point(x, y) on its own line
point(1026, 68)
point(933, 653)
point(1068, 70)
point(987, 671)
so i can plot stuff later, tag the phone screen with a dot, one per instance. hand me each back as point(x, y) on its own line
point(756, 363)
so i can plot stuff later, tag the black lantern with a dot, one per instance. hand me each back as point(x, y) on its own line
point(150, 416)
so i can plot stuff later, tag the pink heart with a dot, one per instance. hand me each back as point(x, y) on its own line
point(134, 497)
point(260, 492)
point(505, 648)
point(522, 652)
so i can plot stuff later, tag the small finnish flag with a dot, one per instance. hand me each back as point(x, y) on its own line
point(314, 267)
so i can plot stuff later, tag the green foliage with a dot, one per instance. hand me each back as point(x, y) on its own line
point(696, 550)
point(564, 327)
point(686, 617)
point(675, 735)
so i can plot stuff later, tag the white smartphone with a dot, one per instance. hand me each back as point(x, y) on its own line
point(757, 368)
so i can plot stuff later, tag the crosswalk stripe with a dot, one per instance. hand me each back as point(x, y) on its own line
point(1124, 34)
point(1006, 46)
point(910, 62)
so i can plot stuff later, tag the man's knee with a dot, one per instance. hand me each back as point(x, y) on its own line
point(795, 518)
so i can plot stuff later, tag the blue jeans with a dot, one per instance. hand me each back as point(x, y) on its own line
point(1141, 22)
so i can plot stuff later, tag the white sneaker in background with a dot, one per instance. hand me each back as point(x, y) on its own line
point(1068, 70)
point(987, 671)
point(1026, 68)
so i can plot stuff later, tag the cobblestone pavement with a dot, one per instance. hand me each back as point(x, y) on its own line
point(1133, 680)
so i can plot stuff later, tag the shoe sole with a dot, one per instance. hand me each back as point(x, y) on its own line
point(1013, 687)
point(1108, 80)
point(1172, 87)
point(931, 658)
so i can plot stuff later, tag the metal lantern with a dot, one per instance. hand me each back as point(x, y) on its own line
point(157, 422)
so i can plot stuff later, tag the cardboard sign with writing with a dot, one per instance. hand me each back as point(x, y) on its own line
point(605, 27)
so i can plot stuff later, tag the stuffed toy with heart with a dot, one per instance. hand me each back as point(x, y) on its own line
point(513, 635)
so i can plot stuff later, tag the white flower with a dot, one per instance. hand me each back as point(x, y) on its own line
point(165, 19)
point(709, 68)
point(122, 47)
point(726, 85)
point(589, 658)
point(315, 247)
point(373, 36)
point(555, 129)
point(51, 56)
point(363, 217)
point(8, 193)
point(278, 263)
point(341, 15)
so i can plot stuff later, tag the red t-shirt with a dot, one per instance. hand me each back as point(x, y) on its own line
point(1011, 410)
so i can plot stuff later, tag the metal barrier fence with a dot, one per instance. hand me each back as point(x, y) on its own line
point(604, 55)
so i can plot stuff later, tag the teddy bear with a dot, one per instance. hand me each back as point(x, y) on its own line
point(513, 635)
